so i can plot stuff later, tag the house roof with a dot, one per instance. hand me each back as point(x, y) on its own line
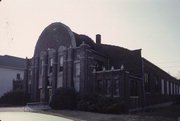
point(12, 62)
point(157, 68)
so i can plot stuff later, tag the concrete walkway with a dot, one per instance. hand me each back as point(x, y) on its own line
point(11, 109)
point(30, 108)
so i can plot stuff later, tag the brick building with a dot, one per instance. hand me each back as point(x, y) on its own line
point(63, 58)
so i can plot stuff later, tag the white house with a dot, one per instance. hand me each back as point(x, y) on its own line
point(10, 69)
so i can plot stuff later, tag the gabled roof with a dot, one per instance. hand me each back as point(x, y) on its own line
point(12, 62)
point(157, 68)
point(110, 50)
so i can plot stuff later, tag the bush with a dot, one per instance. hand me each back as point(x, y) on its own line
point(101, 104)
point(87, 102)
point(64, 98)
point(15, 98)
point(67, 98)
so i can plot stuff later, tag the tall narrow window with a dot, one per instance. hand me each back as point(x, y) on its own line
point(171, 88)
point(60, 63)
point(167, 87)
point(157, 85)
point(51, 65)
point(60, 70)
point(147, 82)
point(41, 67)
point(108, 87)
point(40, 64)
point(133, 88)
point(77, 76)
point(49, 82)
point(100, 86)
point(116, 87)
point(177, 89)
point(174, 89)
point(162, 86)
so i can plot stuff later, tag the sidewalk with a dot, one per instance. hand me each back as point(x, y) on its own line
point(11, 109)
point(27, 108)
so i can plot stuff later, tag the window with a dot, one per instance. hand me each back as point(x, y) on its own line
point(108, 87)
point(162, 86)
point(157, 85)
point(99, 65)
point(174, 89)
point(41, 67)
point(49, 82)
point(60, 81)
point(61, 63)
point(77, 69)
point(171, 88)
point(177, 90)
point(167, 87)
point(18, 76)
point(77, 76)
point(41, 93)
point(147, 82)
point(51, 65)
point(133, 88)
point(116, 87)
point(100, 86)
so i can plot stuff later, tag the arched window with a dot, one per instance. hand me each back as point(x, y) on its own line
point(60, 63)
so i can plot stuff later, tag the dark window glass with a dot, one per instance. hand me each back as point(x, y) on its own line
point(51, 65)
point(60, 63)
point(108, 87)
point(146, 82)
point(100, 86)
point(133, 88)
point(116, 87)
point(18, 76)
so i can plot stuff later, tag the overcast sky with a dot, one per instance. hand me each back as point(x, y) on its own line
point(152, 25)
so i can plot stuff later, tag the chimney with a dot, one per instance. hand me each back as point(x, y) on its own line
point(98, 39)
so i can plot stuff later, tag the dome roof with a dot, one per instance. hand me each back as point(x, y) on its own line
point(58, 34)
point(53, 36)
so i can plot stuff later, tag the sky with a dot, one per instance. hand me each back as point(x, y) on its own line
point(150, 25)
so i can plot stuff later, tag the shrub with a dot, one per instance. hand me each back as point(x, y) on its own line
point(14, 98)
point(101, 104)
point(67, 98)
point(63, 98)
point(87, 102)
